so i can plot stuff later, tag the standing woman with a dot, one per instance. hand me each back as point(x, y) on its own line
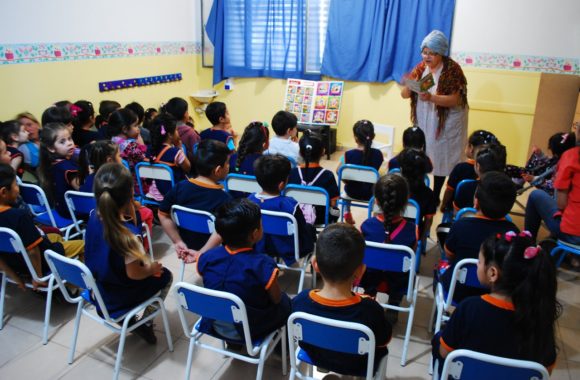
point(441, 112)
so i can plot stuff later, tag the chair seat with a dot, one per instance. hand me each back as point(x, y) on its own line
point(569, 245)
point(304, 357)
point(255, 343)
point(346, 197)
point(61, 222)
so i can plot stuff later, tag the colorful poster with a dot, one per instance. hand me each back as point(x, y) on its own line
point(314, 102)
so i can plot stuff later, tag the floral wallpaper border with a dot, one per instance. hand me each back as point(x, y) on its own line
point(552, 65)
point(57, 52)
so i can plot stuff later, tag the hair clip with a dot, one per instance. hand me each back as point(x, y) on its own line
point(74, 110)
point(308, 147)
point(163, 131)
point(525, 233)
point(564, 138)
point(531, 252)
point(509, 235)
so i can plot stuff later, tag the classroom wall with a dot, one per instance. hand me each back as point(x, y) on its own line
point(503, 54)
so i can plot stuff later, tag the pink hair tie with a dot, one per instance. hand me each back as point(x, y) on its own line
point(509, 235)
point(525, 234)
point(74, 110)
point(531, 252)
point(163, 132)
point(564, 137)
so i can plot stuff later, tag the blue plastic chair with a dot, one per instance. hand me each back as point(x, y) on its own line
point(194, 221)
point(80, 205)
point(565, 248)
point(76, 273)
point(466, 364)
point(334, 335)
point(312, 195)
point(36, 200)
point(126, 164)
point(156, 172)
point(284, 224)
point(468, 212)
point(462, 186)
point(242, 182)
point(398, 171)
point(401, 259)
point(229, 308)
point(10, 243)
point(349, 172)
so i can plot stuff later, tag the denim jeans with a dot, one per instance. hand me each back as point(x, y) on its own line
point(541, 206)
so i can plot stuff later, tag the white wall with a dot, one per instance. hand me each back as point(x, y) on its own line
point(549, 28)
point(34, 21)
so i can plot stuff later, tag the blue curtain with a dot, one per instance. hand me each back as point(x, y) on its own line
point(258, 38)
point(380, 40)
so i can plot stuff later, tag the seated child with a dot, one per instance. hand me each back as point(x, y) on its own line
point(252, 144)
point(413, 137)
point(124, 274)
point(391, 195)
point(517, 320)
point(466, 170)
point(83, 122)
point(35, 242)
point(285, 125)
point(221, 129)
point(201, 193)
point(106, 108)
point(14, 134)
point(312, 174)
point(494, 198)
point(489, 158)
point(272, 174)
point(140, 112)
point(30, 149)
point(179, 109)
point(123, 129)
point(237, 268)
point(363, 154)
point(339, 260)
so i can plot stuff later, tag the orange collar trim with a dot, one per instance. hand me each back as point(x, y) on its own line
point(233, 252)
point(470, 161)
point(381, 218)
point(310, 165)
point(4, 208)
point(497, 302)
point(206, 185)
point(488, 218)
point(334, 303)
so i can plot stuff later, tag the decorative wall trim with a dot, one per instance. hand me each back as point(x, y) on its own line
point(552, 65)
point(58, 52)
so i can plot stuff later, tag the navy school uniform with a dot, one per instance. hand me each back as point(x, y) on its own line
point(197, 195)
point(249, 275)
point(83, 137)
point(87, 186)
point(219, 135)
point(404, 232)
point(63, 173)
point(394, 163)
point(326, 180)
point(283, 246)
point(356, 309)
point(461, 171)
point(361, 190)
point(465, 197)
point(425, 198)
point(119, 292)
point(246, 167)
point(464, 242)
point(486, 324)
point(170, 156)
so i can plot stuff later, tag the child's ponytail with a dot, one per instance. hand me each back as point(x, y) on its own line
point(311, 149)
point(528, 276)
point(364, 133)
point(253, 140)
point(392, 194)
point(414, 166)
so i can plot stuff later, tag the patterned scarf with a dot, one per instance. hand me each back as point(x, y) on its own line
point(451, 81)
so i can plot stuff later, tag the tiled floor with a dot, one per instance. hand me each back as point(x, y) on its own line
point(22, 355)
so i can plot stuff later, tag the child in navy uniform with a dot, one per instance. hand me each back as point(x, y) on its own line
point(494, 197)
point(391, 195)
point(517, 320)
point(413, 137)
point(252, 144)
point(312, 174)
point(272, 174)
point(364, 134)
point(201, 193)
point(13, 133)
point(58, 173)
point(115, 255)
point(339, 260)
point(221, 129)
point(236, 268)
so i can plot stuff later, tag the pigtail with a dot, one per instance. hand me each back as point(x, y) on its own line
point(252, 141)
point(392, 194)
point(364, 133)
point(414, 166)
point(311, 149)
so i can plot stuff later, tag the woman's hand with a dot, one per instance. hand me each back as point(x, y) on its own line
point(425, 96)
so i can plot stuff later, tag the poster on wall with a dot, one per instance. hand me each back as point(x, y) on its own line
point(314, 102)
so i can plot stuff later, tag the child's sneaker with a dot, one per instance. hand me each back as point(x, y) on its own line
point(348, 218)
point(145, 331)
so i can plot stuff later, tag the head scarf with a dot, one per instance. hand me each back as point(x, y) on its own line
point(437, 42)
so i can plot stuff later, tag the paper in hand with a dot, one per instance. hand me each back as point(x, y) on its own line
point(422, 85)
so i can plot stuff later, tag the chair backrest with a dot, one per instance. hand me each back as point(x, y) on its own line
point(281, 224)
point(466, 212)
point(412, 211)
point(10, 242)
point(312, 195)
point(79, 204)
point(384, 139)
point(350, 172)
point(331, 334)
point(193, 220)
point(242, 182)
point(393, 258)
point(398, 171)
point(465, 273)
point(212, 304)
point(75, 272)
point(36, 200)
point(155, 171)
point(126, 164)
point(466, 364)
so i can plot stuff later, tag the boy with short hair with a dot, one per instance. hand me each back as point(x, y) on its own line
point(339, 260)
point(201, 193)
point(272, 173)
point(494, 198)
point(221, 129)
point(285, 125)
point(237, 268)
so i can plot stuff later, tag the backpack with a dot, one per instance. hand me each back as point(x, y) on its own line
point(309, 211)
